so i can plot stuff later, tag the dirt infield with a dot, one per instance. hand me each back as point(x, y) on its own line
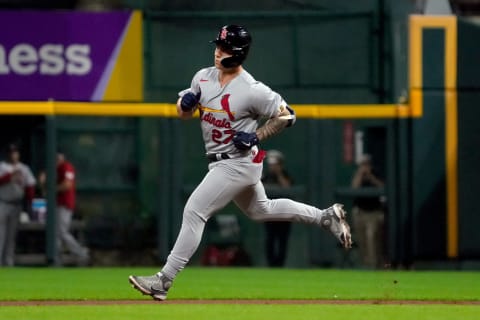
point(246, 302)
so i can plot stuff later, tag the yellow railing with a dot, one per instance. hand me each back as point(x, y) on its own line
point(315, 111)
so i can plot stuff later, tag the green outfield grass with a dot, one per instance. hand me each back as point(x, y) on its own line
point(241, 283)
point(250, 312)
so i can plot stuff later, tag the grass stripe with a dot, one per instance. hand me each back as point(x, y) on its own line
point(241, 283)
point(237, 312)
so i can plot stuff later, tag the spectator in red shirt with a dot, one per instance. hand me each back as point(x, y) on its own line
point(65, 209)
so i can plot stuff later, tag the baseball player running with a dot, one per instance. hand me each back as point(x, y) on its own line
point(231, 103)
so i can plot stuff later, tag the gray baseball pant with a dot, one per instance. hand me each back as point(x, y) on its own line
point(228, 180)
point(9, 215)
point(64, 221)
point(369, 231)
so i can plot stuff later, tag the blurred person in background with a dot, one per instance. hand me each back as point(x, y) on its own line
point(276, 232)
point(17, 184)
point(368, 215)
point(39, 205)
point(65, 210)
point(41, 189)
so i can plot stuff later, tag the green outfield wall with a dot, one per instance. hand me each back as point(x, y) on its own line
point(444, 174)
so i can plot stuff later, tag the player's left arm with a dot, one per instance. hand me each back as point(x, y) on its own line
point(285, 118)
point(266, 104)
point(30, 184)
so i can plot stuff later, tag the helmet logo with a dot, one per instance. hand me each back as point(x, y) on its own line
point(223, 34)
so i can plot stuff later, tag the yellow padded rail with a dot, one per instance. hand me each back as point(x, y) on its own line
point(313, 111)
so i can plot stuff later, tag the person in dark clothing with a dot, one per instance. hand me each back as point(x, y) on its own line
point(276, 232)
point(368, 215)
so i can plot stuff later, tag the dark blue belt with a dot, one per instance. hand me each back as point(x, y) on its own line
point(213, 157)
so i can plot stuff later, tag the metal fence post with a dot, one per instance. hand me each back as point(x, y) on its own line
point(51, 228)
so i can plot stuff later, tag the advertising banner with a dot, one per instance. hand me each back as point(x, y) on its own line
point(71, 56)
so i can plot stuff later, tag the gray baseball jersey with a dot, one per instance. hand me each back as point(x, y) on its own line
point(11, 196)
point(15, 189)
point(237, 106)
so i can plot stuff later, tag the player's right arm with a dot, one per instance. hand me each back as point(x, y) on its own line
point(5, 175)
point(189, 98)
point(184, 114)
point(6, 178)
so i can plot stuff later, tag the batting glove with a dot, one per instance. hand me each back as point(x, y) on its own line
point(189, 101)
point(244, 140)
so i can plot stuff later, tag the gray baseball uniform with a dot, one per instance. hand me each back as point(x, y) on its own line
point(12, 193)
point(238, 106)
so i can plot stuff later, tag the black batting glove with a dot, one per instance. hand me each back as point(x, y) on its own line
point(189, 101)
point(245, 140)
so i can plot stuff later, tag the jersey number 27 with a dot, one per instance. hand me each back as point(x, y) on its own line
point(224, 136)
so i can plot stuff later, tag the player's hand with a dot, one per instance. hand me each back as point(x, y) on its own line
point(17, 177)
point(189, 101)
point(244, 140)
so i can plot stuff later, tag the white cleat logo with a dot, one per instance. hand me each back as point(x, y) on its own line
point(327, 222)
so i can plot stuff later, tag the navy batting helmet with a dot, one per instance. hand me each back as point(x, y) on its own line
point(235, 40)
